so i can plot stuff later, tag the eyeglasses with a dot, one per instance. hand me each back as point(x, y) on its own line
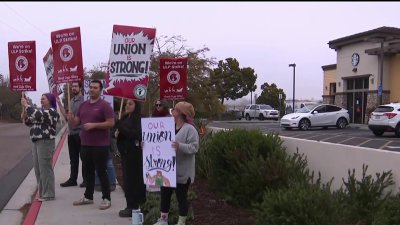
point(158, 104)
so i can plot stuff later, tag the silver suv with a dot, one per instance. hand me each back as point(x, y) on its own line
point(385, 118)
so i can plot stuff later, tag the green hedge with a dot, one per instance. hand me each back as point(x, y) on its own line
point(240, 164)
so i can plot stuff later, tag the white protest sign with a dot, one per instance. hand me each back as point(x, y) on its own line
point(159, 158)
point(107, 98)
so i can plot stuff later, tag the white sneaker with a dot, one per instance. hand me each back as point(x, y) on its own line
point(83, 201)
point(161, 221)
point(105, 204)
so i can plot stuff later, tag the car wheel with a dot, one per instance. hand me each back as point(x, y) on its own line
point(397, 130)
point(304, 124)
point(341, 123)
point(261, 117)
point(378, 132)
point(248, 117)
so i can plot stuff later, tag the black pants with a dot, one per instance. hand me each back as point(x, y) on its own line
point(95, 158)
point(132, 171)
point(74, 148)
point(181, 191)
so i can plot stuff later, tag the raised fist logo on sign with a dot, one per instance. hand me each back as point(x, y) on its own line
point(66, 53)
point(21, 63)
point(173, 77)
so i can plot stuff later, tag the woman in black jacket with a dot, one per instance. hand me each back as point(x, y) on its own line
point(129, 137)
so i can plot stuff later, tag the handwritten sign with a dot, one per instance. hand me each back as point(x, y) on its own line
point(159, 158)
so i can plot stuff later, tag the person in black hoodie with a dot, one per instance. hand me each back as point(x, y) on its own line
point(129, 137)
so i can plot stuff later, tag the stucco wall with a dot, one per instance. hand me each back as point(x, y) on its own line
point(395, 79)
point(329, 77)
point(369, 64)
point(334, 160)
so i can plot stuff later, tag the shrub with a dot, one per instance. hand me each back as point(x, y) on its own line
point(300, 204)
point(361, 199)
point(240, 164)
point(389, 212)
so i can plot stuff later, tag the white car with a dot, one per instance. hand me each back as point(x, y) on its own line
point(385, 118)
point(316, 116)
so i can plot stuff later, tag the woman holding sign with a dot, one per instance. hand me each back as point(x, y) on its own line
point(186, 146)
point(129, 137)
point(43, 123)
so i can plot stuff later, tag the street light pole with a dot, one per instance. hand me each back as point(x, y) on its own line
point(294, 80)
point(380, 88)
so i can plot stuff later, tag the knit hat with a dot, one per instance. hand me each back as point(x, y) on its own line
point(185, 108)
point(51, 99)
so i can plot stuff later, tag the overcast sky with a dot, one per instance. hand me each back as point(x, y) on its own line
point(266, 36)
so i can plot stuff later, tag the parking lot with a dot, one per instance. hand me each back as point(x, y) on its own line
point(354, 134)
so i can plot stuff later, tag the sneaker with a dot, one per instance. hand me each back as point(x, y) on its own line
point(127, 212)
point(83, 201)
point(105, 204)
point(68, 183)
point(161, 221)
point(83, 184)
point(44, 199)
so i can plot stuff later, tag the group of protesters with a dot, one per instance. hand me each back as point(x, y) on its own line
point(92, 125)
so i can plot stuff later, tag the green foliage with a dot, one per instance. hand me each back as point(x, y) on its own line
point(200, 91)
point(203, 159)
point(10, 108)
point(270, 96)
point(231, 81)
point(301, 204)
point(151, 209)
point(362, 198)
point(240, 164)
point(389, 212)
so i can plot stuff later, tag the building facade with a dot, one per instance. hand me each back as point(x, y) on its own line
point(366, 73)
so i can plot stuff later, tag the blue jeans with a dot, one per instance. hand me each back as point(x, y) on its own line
point(110, 174)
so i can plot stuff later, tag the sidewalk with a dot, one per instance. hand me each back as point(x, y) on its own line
point(61, 211)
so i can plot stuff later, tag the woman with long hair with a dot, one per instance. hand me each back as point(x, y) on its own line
point(129, 137)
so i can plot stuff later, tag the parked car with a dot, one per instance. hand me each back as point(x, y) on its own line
point(324, 115)
point(235, 114)
point(261, 112)
point(385, 118)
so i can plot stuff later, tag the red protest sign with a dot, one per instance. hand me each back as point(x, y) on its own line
point(22, 64)
point(173, 76)
point(67, 55)
point(127, 75)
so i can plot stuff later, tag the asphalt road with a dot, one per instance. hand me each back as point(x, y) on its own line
point(16, 158)
point(354, 135)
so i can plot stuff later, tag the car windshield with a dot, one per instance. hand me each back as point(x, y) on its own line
point(265, 107)
point(306, 109)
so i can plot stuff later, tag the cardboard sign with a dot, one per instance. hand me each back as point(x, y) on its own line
point(159, 158)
